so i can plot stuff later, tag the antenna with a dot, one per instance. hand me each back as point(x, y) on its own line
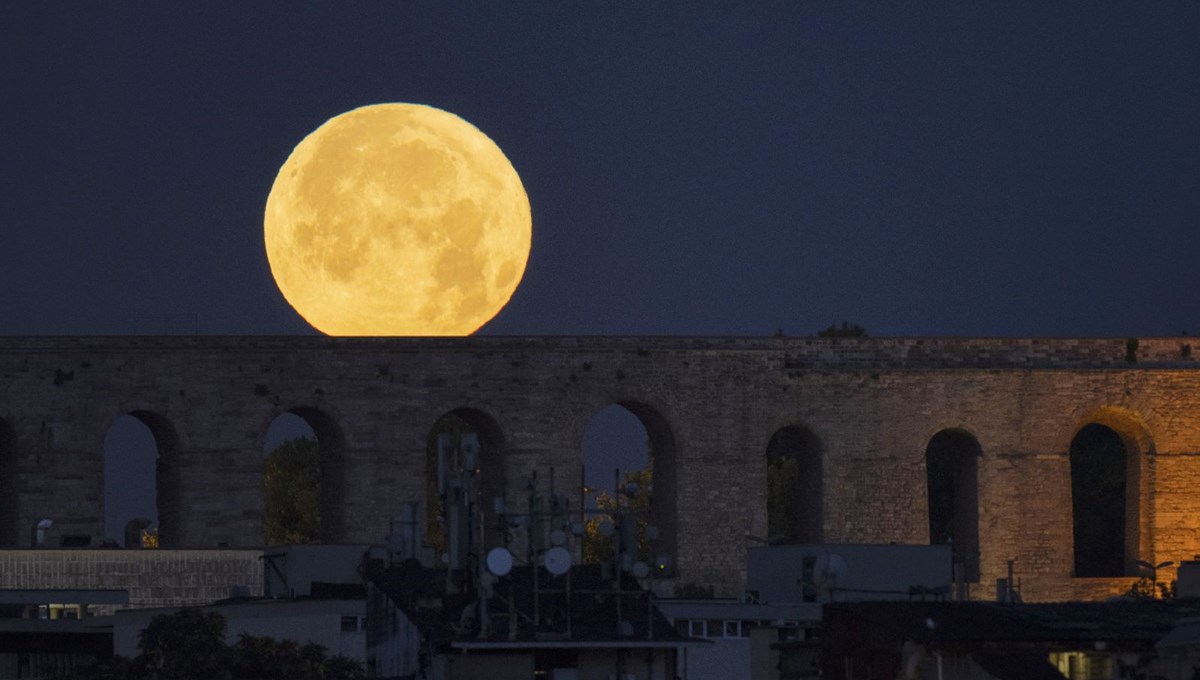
point(470, 451)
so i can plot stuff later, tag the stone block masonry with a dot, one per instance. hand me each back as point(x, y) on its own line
point(711, 405)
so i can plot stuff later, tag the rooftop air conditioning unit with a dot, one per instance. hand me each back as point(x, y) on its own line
point(749, 597)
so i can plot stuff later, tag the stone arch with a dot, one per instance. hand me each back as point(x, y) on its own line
point(166, 475)
point(664, 481)
point(613, 438)
point(794, 462)
point(9, 506)
point(664, 441)
point(952, 493)
point(1109, 457)
point(616, 451)
point(456, 426)
point(331, 447)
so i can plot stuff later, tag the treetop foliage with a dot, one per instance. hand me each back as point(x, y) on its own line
point(846, 330)
point(190, 645)
point(292, 493)
point(636, 506)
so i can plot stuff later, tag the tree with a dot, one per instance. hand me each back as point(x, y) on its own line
point(783, 491)
point(635, 506)
point(150, 538)
point(265, 658)
point(846, 330)
point(189, 643)
point(292, 493)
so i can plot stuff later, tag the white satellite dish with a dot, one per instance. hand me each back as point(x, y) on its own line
point(557, 561)
point(641, 570)
point(499, 561)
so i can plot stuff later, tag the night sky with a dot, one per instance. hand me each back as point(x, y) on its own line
point(920, 169)
point(931, 169)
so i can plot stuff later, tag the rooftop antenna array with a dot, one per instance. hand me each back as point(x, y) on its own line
point(547, 530)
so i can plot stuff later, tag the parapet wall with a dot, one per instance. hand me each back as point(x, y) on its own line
point(153, 578)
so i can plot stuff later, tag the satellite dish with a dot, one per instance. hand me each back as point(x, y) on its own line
point(641, 570)
point(557, 561)
point(499, 561)
point(558, 537)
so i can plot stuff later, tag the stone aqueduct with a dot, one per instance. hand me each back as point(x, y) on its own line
point(711, 406)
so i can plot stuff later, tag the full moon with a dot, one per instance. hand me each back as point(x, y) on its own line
point(397, 219)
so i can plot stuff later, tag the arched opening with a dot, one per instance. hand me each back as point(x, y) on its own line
point(1103, 502)
point(302, 478)
point(794, 487)
point(465, 484)
point(629, 469)
point(952, 482)
point(141, 488)
point(618, 477)
point(291, 483)
point(8, 487)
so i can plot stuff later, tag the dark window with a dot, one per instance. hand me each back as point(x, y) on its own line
point(808, 578)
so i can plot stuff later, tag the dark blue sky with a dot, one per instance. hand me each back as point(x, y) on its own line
point(941, 168)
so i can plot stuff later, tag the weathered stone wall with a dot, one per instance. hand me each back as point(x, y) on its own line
point(874, 403)
point(153, 578)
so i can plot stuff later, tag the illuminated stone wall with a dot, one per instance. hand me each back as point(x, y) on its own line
point(874, 403)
